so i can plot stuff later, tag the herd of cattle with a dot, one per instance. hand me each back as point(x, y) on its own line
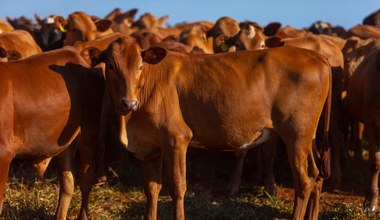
point(226, 86)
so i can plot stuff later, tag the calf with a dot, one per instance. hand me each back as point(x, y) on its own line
point(48, 100)
point(228, 101)
point(362, 96)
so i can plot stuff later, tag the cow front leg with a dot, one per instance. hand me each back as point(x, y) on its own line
point(235, 177)
point(152, 169)
point(5, 162)
point(371, 202)
point(66, 189)
point(87, 149)
point(269, 153)
point(176, 142)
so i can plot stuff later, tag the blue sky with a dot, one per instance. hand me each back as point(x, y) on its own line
point(298, 13)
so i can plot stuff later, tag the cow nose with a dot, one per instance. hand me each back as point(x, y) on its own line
point(131, 105)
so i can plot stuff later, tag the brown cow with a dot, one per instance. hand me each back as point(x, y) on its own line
point(4, 26)
point(17, 44)
point(48, 100)
point(373, 19)
point(363, 98)
point(229, 101)
point(79, 26)
point(363, 31)
point(195, 37)
point(330, 47)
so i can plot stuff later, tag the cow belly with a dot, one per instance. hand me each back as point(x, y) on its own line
point(257, 139)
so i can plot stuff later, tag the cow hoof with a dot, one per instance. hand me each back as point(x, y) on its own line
point(368, 208)
point(102, 179)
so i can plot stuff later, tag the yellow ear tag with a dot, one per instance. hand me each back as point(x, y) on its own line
point(205, 37)
point(61, 28)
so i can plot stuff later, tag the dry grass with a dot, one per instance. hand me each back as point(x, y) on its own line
point(123, 198)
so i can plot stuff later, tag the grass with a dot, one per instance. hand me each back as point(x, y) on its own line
point(122, 197)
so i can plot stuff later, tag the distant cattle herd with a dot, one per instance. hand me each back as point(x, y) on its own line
point(69, 84)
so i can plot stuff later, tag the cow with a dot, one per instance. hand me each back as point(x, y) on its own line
point(373, 19)
point(17, 44)
point(4, 26)
point(227, 101)
point(50, 36)
point(331, 48)
point(363, 31)
point(47, 101)
point(195, 37)
point(122, 22)
point(362, 96)
point(354, 51)
point(79, 26)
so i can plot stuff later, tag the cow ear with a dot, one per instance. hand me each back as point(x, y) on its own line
point(162, 20)
point(153, 55)
point(92, 55)
point(38, 19)
point(61, 23)
point(272, 28)
point(13, 55)
point(274, 42)
point(103, 25)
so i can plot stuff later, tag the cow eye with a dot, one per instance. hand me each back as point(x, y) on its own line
point(110, 66)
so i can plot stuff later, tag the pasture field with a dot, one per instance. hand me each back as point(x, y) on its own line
point(122, 197)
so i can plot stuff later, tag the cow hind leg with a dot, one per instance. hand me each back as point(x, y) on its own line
point(298, 152)
point(87, 143)
point(313, 204)
point(152, 169)
point(371, 202)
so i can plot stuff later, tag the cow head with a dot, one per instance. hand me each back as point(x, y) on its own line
point(49, 37)
point(124, 70)
point(248, 38)
point(80, 26)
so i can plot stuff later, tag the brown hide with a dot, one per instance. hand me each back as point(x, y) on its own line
point(363, 98)
point(17, 44)
point(79, 26)
point(363, 31)
point(228, 101)
point(46, 100)
point(4, 27)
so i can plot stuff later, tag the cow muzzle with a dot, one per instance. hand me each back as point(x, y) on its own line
point(129, 105)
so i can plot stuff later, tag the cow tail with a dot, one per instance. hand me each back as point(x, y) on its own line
point(324, 150)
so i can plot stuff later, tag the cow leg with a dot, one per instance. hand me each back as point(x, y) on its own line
point(313, 204)
point(152, 169)
point(176, 141)
point(87, 143)
point(5, 162)
point(235, 178)
point(66, 189)
point(298, 152)
point(269, 153)
point(374, 153)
